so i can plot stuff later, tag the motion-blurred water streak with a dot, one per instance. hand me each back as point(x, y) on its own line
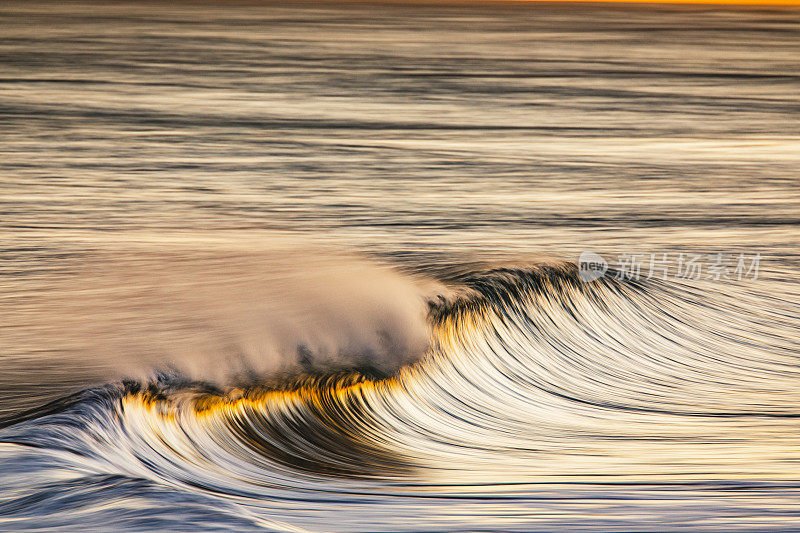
point(311, 267)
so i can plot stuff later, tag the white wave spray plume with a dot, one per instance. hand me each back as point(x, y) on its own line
point(219, 317)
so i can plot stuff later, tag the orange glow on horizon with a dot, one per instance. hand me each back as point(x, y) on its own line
point(776, 3)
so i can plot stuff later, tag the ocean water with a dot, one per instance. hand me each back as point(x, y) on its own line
point(315, 267)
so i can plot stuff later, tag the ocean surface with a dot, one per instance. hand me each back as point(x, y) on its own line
point(317, 267)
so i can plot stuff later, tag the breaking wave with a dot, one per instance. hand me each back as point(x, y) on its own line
point(531, 381)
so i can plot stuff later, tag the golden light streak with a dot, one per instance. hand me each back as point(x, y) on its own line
point(775, 3)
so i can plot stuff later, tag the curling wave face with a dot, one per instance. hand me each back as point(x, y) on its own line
point(535, 386)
